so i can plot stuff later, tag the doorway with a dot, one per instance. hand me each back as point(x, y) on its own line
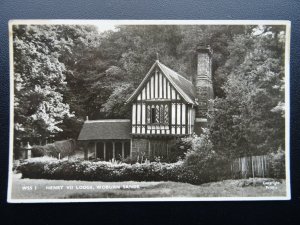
point(159, 148)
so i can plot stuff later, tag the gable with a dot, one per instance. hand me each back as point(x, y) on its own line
point(163, 83)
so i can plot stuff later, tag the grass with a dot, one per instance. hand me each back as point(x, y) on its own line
point(41, 189)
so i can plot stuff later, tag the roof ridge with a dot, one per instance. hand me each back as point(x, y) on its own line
point(175, 72)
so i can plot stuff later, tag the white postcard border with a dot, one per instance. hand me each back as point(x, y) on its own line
point(155, 22)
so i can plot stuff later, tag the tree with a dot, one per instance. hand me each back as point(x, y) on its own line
point(125, 55)
point(117, 66)
point(114, 106)
point(218, 38)
point(249, 119)
point(39, 82)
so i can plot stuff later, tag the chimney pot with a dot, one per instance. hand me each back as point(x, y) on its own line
point(204, 48)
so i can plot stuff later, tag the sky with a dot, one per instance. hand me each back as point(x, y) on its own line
point(105, 26)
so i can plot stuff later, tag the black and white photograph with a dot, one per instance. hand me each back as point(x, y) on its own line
point(149, 110)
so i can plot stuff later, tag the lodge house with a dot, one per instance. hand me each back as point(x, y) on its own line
point(165, 106)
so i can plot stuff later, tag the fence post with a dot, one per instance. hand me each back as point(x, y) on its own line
point(252, 166)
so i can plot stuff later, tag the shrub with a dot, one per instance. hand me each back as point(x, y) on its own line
point(202, 163)
point(38, 151)
point(65, 147)
point(62, 148)
point(277, 164)
point(34, 168)
point(105, 171)
point(179, 149)
point(50, 168)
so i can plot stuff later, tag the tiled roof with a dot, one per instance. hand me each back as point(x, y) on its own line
point(105, 129)
point(180, 83)
point(185, 87)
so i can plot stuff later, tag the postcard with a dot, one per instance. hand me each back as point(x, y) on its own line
point(149, 110)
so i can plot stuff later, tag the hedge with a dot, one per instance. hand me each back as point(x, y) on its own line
point(36, 168)
point(59, 148)
point(75, 169)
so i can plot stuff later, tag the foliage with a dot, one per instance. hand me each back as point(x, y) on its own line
point(277, 164)
point(43, 103)
point(200, 165)
point(218, 38)
point(38, 151)
point(249, 120)
point(109, 171)
point(178, 150)
point(39, 80)
point(203, 162)
point(102, 171)
point(57, 149)
point(114, 107)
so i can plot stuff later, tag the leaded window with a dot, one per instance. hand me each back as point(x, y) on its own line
point(158, 114)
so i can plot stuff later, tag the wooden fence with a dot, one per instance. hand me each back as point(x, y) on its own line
point(252, 166)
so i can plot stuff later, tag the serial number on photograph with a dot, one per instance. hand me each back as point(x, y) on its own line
point(81, 187)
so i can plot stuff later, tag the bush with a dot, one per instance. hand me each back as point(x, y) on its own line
point(63, 148)
point(35, 166)
point(40, 168)
point(179, 149)
point(37, 151)
point(203, 163)
point(277, 164)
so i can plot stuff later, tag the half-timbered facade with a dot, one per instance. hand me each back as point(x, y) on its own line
point(163, 109)
point(165, 106)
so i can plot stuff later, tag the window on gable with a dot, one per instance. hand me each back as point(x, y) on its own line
point(158, 114)
point(153, 115)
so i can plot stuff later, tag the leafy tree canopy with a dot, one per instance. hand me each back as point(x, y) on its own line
point(250, 118)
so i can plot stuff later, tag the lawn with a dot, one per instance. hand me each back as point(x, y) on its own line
point(60, 189)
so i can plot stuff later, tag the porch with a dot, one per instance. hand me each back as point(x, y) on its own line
point(106, 139)
point(106, 150)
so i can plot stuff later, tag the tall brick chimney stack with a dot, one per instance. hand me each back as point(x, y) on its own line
point(203, 84)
